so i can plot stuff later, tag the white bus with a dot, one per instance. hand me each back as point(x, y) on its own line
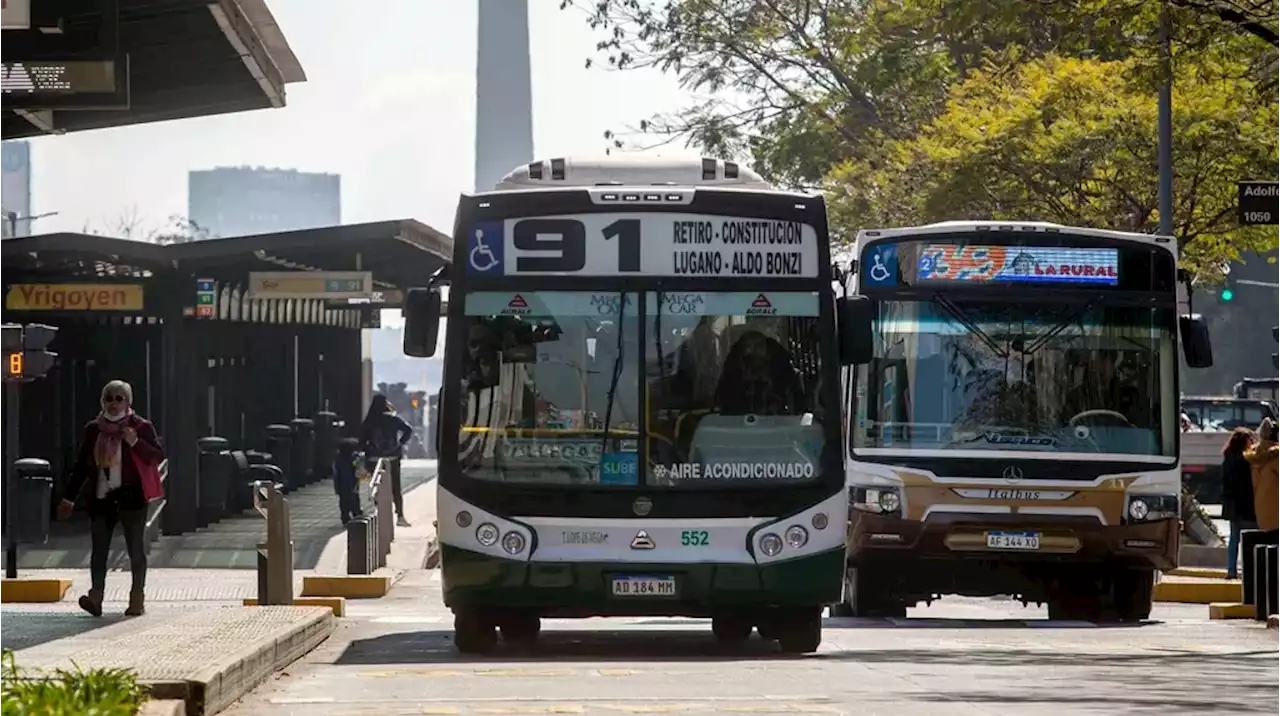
point(1016, 430)
point(641, 402)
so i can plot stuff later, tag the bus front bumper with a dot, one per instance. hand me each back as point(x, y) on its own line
point(584, 589)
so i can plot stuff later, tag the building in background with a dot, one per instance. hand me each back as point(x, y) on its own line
point(504, 95)
point(15, 189)
point(240, 201)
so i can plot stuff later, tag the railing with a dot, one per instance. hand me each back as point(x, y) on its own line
point(369, 537)
point(155, 509)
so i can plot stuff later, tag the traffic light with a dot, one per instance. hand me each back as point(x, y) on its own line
point(25, 354)
point(37, 361)
point(1227, 293)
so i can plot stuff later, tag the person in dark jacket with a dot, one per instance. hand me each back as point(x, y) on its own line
point(345, 481)
point(107, 478)
point(384, 435)
point(1237, 493)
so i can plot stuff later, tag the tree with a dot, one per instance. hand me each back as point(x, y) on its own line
point(1072, 141)
point(131, 224)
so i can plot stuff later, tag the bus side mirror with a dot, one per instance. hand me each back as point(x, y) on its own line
point(853, 319)
point(1196, 346)
point(421, 322)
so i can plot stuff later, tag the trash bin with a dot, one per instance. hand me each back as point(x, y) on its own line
point(280, 446)
point(213, 467)
point(326, 443)
point(304, 450)
point(32, 495)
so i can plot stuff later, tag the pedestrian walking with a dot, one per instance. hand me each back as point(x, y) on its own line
point(1237, 493)
point(384, 435)
point(1264, 458)
point(345, 480)
point(115, 474)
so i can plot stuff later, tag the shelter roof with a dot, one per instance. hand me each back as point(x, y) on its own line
point(183, 58)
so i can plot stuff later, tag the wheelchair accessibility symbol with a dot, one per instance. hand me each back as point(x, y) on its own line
point(884, 266)
point(484, 249)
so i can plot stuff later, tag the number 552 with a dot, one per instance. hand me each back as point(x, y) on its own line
point(694, 538)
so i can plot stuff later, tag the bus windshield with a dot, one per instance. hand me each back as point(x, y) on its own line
point(956, 374)
point(554, 384)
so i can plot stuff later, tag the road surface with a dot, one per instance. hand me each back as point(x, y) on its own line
point(961, 656)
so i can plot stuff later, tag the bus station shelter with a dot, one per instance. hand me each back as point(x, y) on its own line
point(194, 329)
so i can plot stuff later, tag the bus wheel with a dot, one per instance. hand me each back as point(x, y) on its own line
point(866, 596)
point(732, 629)
point(801, 631)
point(473, 634)
point(767, 628)
point(520, 629)
point(1132, 593)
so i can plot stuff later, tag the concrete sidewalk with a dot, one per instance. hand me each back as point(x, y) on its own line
point(413, 546)
point(208, 657)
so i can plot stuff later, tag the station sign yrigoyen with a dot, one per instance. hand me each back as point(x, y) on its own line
point(74, 297)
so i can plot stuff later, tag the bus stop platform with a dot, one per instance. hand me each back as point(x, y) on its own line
point(208, 657)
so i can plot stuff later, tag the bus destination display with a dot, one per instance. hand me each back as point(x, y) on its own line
point(655, 244)
point(1018, 264)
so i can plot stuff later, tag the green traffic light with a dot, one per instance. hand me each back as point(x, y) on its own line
point(1228, 294)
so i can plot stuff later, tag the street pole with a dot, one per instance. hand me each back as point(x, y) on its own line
point(11, 437)
point(1165, 125)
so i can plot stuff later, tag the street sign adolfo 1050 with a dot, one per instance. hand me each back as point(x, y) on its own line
point(1258, 203)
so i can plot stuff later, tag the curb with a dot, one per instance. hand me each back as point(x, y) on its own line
point(352, 586)
point(337, 604)
point(1273, 622)
point(1230, 610)
point(220, 684)
point(1199, 572)
point(1198, 591)
point(33, 591)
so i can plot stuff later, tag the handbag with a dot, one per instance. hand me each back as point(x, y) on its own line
point(152, 485)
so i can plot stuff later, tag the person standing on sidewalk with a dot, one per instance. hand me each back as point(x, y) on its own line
point(1264, 458)
point(1237, 493)
point(115, 474)
point(345, 481)
point(384, 435)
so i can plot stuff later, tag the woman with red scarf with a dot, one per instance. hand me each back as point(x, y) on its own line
point(115, 475)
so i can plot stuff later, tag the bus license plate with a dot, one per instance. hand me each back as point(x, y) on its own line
point(644, 586)
point(1013, 540)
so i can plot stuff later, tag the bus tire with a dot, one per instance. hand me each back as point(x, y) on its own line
point(1132, 594)
point(731, 629)
point(520, 629)
point(866, 596)
point(801, 632)
point(473, 634)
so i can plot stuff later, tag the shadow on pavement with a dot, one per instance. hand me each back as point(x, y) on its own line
point(1174, 682)
point(427, 647)
point(960, 623)
point(22, 630)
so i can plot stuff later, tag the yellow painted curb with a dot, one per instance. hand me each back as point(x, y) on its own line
point(337, 604)
point(1230, 610)
point(33, 591)
point(350, 586)
point(1198, 591)
point(1200, 572)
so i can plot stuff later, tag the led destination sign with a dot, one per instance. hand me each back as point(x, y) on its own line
point(1018, 264)
point(655, 244)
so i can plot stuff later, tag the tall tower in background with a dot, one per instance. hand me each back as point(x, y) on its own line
point(504, 98)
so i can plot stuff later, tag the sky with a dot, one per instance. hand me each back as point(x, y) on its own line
point(389, 104)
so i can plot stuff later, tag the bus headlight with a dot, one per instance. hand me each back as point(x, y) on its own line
point(770, 544)
point(877, 500)
point(513, 542)
point(797, 536)
point(1148, 508)
point(487, 534)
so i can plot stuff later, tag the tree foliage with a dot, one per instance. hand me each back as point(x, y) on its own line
point(1072, 141)
point(878, 102)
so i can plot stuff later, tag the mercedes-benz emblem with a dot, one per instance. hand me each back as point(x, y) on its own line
point(642, 541)
point(1012, 474)
point(642, 506)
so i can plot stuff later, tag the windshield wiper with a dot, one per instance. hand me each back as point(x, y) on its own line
point(617, 372)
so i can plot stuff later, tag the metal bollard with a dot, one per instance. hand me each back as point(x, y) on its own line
point(1249, 540)
point(275, 555)
point(1264, 584)
point(357, 546)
